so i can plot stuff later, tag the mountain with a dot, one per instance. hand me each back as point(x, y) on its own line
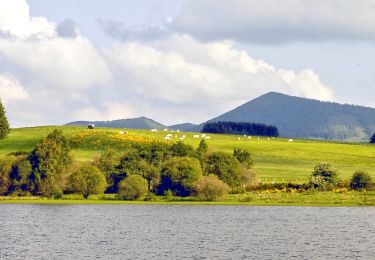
point(135, 123)
point(306, 118)
point(186, 127)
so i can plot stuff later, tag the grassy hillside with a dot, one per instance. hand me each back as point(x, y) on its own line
point(274, 158)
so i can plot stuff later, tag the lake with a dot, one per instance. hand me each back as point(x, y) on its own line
point(185, 232)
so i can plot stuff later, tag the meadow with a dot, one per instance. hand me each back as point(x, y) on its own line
point(275, 159)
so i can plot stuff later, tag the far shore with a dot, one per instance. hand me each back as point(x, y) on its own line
point(346, 199)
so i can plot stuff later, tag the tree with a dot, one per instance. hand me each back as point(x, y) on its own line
point(132, 187)
point(244, 157)
point(87, 180)
point(181, 149)
point(202, 148)
point(49, 160)
point(4, 125)
point(225, 166)
point(19, 176)
point(5, 168)
point(360, 180)
point(180, 175)
point(211, 188)
point(324, 175)
point(372, 139)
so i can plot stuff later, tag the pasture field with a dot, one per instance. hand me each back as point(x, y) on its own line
point(275, 159)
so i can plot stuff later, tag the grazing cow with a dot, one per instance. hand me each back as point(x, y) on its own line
point(290, 140)
point(169, 135)
point(203, 135)
point(154, 130)
point(249, 137)
point(268, 138)
point(177, 131)
point(207, 138)
point(121, 132)
point(165, 129)
point(90, 126)
point(167, 138)
point(196, 136)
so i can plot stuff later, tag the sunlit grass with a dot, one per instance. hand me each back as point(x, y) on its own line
point(275, 159)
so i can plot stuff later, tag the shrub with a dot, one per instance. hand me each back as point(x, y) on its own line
point(324, 176)
point(5, 168)
point(132, 187)
point(202, 148)
point(87, 180)
point(180, 175)
point(181, 149)
point(249, 179)
point(211, 188)
point(360, 180)
point(19, 176)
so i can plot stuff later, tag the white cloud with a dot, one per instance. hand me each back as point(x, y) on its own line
point(11, 89)
point(275, 21)
point(172, 80)
point(15, 20)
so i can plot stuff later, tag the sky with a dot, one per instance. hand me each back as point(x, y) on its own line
point(179, 61)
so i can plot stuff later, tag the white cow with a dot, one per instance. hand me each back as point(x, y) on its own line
point(121, 132)
point(196, 136)
point(177, 130)
point(154, 130)
point(167, 138)
point(165, 129)
point(203, 135)
point(207, 137)
point(290, 140)
point(249, 137)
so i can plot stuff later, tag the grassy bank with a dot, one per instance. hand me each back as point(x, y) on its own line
point(275, 159)
point(265, 198)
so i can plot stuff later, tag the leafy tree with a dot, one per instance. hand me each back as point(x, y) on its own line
point(225, 166)
point(202, 148)
point(4, 125)
point(180, 175)
point(360, 180)
point(108, 162)
point(181, 149)
point(324, 175)
point(132, 187)
point(211, 188)
point(87, 180)
point(5, 168)
point(19, 176)
point(372, 139)
point(49, 160)
point(244, 157)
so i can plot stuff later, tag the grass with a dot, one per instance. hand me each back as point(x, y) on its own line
point(350, 198)
point(275, 159)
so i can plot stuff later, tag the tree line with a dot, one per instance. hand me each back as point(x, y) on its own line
point(240, 128)
point(144, 168)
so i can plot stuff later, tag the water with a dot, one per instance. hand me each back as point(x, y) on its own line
point(185, 232)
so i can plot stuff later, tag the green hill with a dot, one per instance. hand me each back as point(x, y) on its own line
point(275, 158)
point(306, 118)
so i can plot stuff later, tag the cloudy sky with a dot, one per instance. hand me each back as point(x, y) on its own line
point(179, 60)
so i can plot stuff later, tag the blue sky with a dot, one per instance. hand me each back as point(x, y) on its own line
point(181, 60)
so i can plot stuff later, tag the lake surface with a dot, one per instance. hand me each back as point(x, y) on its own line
point(185, 232)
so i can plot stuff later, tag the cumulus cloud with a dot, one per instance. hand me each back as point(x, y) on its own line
point(11, 89)
point(58, 75)
point(275, 21)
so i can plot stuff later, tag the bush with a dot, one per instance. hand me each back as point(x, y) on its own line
point(360, 180)
point(180, 175)
point(87, 180)
point(324, 176)
point(211, 188)
point(132, 187)
point(181, 149)
point(5, 168)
